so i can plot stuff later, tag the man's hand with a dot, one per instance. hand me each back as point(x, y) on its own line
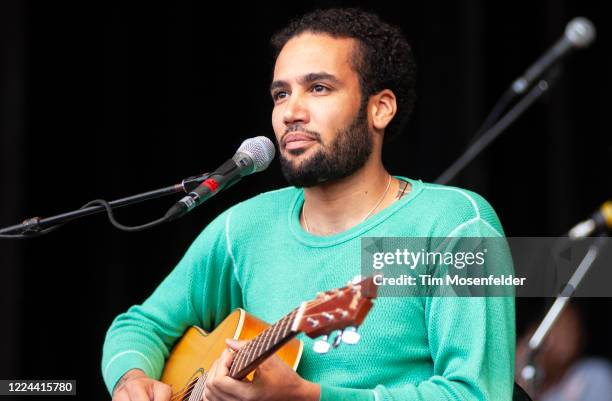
point(135, 385)
point(273, 380)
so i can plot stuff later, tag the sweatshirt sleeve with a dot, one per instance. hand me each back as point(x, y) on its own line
point(201, 290)
point(471, 341)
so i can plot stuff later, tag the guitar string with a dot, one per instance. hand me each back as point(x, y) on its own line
point(190, 387)
point(187, 395)
point(248, 349)
point(253, 345)
point(259, 339)
point(198, 390)
point(272, 338)
point(188, 390)
point(184, 390)
point(243, 352)
point(268, 333)
point(282, 326)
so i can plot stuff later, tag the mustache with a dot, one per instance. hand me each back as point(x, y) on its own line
point(299, 128)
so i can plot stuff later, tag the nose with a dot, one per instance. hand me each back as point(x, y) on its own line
point(296, 110)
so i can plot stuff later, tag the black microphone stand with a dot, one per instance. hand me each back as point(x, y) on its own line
point(492, 133)
point(35, 226)
point(529, 371)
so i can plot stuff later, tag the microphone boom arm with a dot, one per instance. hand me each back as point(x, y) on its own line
point(35, 226)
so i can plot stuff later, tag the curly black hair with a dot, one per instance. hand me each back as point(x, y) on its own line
point(384, 59)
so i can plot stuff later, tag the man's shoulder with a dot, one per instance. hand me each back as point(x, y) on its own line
point(261, 210)
point(450, 208)
point(269, 202)
point(252, 216)
point(458, 199)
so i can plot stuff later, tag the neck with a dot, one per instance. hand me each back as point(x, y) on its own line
point(333, 207)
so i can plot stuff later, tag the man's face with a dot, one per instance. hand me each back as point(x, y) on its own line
point(319, 118)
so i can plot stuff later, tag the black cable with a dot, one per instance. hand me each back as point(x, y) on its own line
point(111, 217)
point(116, 224)
point(508, 97)
point(495, 113)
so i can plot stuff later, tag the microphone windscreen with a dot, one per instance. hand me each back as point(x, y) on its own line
point(260, 149)
point(580, 32)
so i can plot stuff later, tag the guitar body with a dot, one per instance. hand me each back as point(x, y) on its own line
point(194, 354)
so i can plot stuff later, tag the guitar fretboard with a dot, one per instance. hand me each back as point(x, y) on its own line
point(259, 348)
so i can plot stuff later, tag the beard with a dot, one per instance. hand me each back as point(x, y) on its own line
point(347, 153)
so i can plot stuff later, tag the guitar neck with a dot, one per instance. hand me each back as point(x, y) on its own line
point(329, 311)
point(262, 346)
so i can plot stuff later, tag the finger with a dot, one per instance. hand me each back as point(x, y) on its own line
point(205, 389)
point(235, 344)
point(121, 395)
point(137, 392)
point(161, 391)
point(225, 362)
point(212, 372)
point(217, 390)
point(215, 395)
point(212, 380)
point(226, 388)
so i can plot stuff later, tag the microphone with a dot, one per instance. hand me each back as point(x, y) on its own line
point(579, 33)
point(600, 220)
point(253, 155)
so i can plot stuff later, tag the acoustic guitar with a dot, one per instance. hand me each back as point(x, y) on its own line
point(341, 310)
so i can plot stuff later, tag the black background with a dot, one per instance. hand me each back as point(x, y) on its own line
point(102, 101)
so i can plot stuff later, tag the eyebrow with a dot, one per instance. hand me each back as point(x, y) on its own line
point(306, 79)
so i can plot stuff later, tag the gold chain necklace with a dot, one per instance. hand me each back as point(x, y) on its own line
point(362, 220)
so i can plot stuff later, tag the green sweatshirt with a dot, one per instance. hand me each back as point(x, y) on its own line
point(257, 256)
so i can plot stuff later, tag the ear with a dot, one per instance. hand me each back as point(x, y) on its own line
point(383, 107)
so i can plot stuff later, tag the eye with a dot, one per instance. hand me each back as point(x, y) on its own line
point(318, 88)
point(280, 95)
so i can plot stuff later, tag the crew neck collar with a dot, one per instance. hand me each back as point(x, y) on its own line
point(326, 241)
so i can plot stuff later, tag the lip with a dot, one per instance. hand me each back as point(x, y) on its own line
point(297, 140)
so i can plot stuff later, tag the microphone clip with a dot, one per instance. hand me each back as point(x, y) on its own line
point(191, 183)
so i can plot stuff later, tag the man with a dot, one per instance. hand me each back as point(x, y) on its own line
point(565, 373)
point(343, 82)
